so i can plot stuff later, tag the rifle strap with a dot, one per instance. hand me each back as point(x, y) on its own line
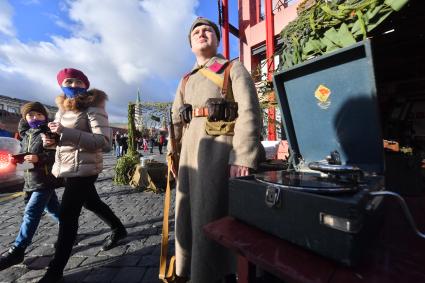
point(165, 226)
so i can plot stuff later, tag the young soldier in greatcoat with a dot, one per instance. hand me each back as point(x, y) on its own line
point(207, 160)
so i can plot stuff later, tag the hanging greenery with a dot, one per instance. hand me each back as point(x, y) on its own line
point(156, 105)
point(126, 164)
point(131, 130)
point(156, 109)
point(124, 168)
point(326, 25)
point(153, 112)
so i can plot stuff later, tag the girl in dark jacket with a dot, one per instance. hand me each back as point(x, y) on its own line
point(39, 181)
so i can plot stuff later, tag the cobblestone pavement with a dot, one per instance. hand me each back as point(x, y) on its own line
point(135, 260)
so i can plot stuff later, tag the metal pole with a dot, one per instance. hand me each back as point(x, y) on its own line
point(270, 66)
point(225, 29)
point(257, 11)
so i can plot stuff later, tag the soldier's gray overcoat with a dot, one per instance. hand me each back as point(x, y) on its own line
point(202, 188)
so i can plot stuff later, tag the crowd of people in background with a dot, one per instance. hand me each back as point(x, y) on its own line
point(143, 144)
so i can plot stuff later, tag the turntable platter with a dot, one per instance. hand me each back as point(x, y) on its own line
point(309, 182)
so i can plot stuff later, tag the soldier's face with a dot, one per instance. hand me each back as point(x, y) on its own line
point(203, 38)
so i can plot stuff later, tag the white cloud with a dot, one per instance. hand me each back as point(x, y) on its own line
point(6, 12)
point(120, 45)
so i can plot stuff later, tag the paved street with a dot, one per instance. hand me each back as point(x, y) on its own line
point(135, 260)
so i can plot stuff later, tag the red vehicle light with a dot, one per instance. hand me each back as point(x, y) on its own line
point(6, 166)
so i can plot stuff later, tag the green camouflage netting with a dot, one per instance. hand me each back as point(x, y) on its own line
point(328, 25)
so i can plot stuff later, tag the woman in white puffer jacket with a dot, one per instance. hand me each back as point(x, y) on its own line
point(83, 133)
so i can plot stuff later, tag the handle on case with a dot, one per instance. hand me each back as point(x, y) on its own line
point(404, 207)
point(336, 169)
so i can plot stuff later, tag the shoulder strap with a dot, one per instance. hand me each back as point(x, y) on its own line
point(183, 86)
point(216, 79)
point(227, 82)
point(223, 83)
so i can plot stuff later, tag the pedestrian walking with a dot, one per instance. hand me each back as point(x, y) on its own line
point(39, 184)
point(216, 145)
point(83, 126)
point(114, 144)
point(161, 140)
point(118, 149)
point(139, 142)
point(124, 144)
point(145, 144)
point(152, 143)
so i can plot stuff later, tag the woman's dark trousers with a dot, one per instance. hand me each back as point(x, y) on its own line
point(79, 192)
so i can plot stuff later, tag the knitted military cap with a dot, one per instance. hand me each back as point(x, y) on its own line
point(33, 106)
point(204, 21)
point(72, 73)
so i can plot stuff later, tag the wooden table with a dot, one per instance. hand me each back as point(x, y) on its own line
point(397, 255)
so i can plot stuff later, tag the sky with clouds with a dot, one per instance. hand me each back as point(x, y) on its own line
point(121, 45)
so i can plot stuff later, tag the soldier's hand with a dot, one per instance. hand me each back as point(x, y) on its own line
point(238, 171)
point(174, 169)
point(174, 172)
point(173, 163)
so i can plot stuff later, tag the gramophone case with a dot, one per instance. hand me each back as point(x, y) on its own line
point(328, 106)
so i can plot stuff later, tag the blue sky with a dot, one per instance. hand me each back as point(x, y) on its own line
point(36, 20)
point(121, 45)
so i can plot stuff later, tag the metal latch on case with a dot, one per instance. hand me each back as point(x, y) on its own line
point(273, 198)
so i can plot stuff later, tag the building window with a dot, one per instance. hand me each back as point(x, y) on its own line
point(1, 106)
point(12, 109)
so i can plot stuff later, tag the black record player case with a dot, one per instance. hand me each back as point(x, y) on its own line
point(300, 217)
point(329, 107)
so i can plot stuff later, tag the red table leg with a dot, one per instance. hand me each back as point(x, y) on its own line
point(246, 271)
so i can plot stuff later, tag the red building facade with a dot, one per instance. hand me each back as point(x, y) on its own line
point(260, 23)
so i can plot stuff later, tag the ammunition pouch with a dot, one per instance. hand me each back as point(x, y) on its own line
point(221, 110)
point(186, 113)
point(221, 117)
point(216, 109)
point(219, 128)
point(231, 111)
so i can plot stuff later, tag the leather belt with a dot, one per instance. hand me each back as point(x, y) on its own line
point(200, 112)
